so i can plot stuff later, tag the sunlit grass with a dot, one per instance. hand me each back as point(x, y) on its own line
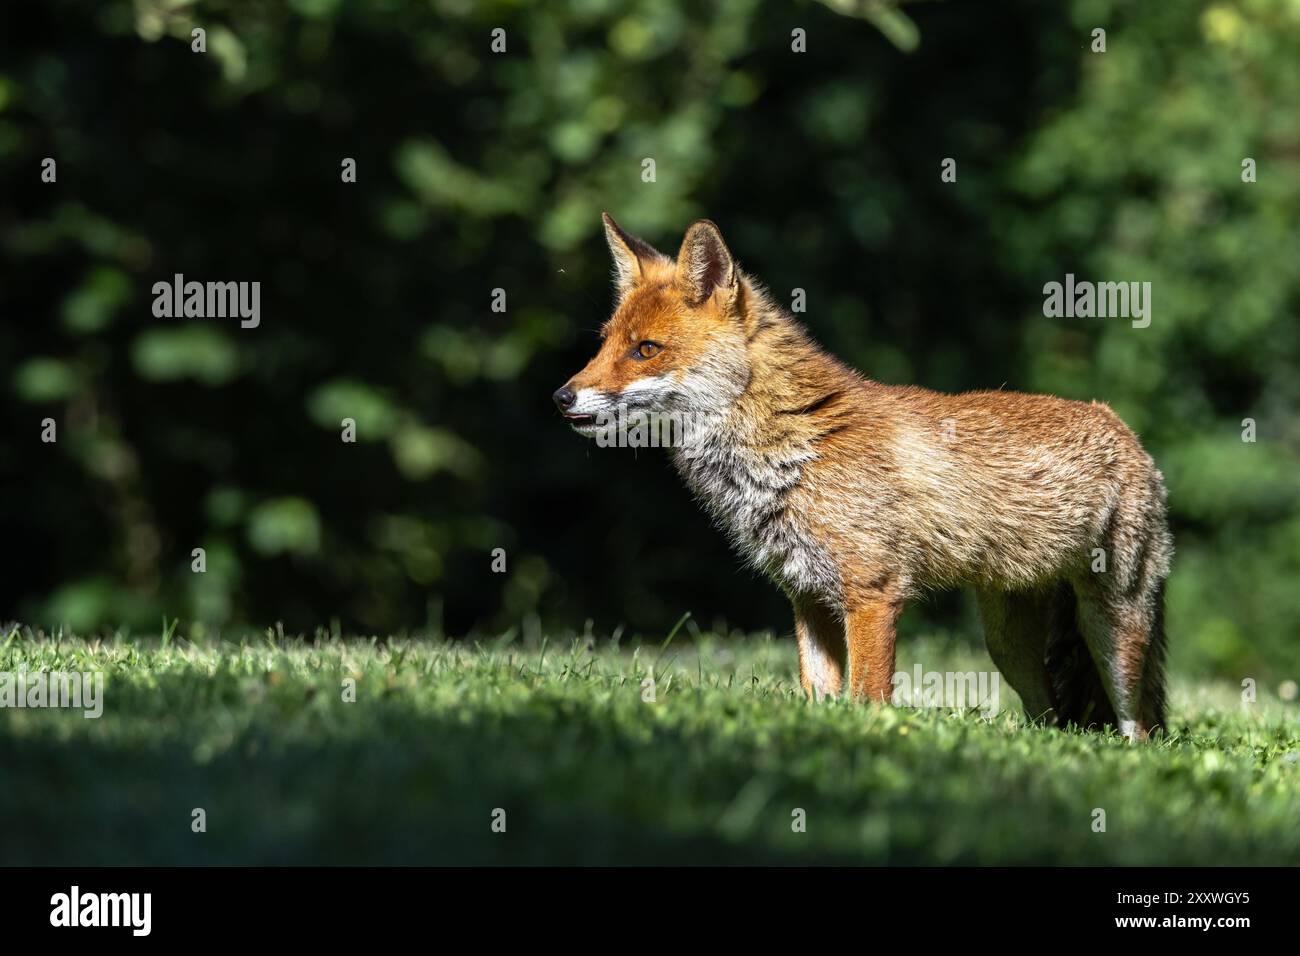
point(691, 750)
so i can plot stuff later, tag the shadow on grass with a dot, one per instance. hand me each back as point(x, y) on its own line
point(586, 774)
point(420, 793)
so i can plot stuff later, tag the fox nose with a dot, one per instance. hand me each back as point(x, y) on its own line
point(564, 398)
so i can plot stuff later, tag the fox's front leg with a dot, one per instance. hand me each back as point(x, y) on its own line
point(820, 633)
point(869, 633)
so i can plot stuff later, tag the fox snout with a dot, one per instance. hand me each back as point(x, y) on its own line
point(566, 400)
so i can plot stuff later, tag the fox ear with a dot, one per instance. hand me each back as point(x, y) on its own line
point(704, 265)
point(630, 254)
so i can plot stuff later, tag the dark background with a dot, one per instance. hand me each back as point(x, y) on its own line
point(479, 171)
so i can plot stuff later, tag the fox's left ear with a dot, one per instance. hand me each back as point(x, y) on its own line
point(630, 255)
point(705, 266)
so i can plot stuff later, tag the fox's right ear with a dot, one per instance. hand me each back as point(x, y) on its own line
point(630, 255)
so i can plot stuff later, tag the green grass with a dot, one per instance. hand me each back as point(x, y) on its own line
point(441, 734)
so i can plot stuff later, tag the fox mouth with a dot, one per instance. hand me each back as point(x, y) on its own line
point(579, 420)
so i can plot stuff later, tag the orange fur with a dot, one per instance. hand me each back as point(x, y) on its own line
point(854, 496)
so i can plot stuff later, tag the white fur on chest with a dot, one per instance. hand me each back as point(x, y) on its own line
point(749, 495)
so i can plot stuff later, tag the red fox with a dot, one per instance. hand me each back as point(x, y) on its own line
point(854, 496)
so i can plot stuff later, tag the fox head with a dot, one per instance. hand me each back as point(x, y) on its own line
point(676, 342)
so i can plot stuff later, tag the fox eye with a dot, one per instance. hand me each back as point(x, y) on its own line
point(647, 350)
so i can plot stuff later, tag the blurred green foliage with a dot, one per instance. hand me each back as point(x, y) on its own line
point(479, 171)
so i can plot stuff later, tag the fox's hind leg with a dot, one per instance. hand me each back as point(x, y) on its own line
point(1122, 621)
point(1081, 697)
point(822, 649)
point(1016, 625)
